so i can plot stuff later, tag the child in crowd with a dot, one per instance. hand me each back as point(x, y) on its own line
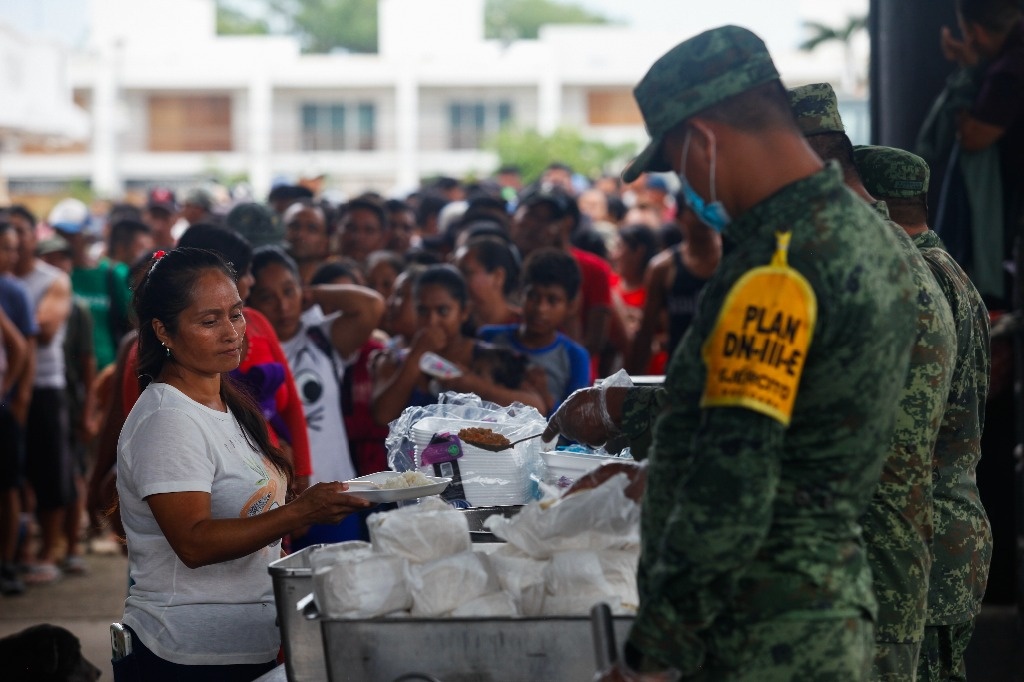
point(442, 309)
point(551, 280)
point(382, 269)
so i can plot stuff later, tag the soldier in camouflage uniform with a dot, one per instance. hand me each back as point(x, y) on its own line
point(898, 525)
point(771, 429)
point(962, 546)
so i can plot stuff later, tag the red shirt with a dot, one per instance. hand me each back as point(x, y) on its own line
point(264, 349)
point(595, 282)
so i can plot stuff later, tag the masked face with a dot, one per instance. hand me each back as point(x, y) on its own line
point(711, 213)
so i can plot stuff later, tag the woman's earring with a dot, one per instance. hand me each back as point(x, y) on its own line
point(168, 350)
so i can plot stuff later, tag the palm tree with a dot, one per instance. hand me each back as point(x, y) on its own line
point(822, 34)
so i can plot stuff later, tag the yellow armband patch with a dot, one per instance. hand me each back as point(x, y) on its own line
point(756, 353)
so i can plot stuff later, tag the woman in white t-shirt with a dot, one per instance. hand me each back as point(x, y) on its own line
point(202, 490)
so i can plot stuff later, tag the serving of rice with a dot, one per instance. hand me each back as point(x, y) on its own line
point(406, 479)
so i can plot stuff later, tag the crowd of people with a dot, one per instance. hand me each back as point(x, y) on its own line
point(810, 509)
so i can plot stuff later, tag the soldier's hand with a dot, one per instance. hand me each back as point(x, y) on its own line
point(584, 417)
point(635, 471)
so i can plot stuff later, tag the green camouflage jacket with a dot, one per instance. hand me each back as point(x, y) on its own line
point(898, 525)
point(745, 518)
point(962, 548)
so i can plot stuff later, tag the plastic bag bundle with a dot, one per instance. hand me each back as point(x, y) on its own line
point(350, 580)
point(494, 605)
point(596, 519)
point(419, 536)
point(442, 586)
point(521, 576)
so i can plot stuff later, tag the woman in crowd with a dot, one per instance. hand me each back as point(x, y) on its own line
point(491, 270)
point(442, 300)
point(321, 344)
point(202, 488)
point(365, 437)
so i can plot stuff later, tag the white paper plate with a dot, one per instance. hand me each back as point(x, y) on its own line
point(435, 487)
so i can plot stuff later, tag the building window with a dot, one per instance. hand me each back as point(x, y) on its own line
point(339, 127)
point(190, 123)
point(471, 123)
point(612, 108)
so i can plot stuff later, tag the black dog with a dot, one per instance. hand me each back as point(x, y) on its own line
point(45, 653)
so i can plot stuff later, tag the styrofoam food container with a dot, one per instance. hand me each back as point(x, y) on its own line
point(572, 465)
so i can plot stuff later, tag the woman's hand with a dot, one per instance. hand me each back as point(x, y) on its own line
point(327, 503)
point(428, 339)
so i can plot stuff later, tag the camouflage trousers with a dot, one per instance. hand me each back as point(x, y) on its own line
point(942, 654)
point(782, 650)
point(895, 662)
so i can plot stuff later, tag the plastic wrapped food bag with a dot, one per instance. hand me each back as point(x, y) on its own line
point(419, 535)
point(521, 576)
point(350, 580)
point(439, 587)
point(596, 519)
point(575, 582)
point(494, 605)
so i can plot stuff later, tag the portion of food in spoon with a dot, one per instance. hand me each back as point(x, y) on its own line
point(485, 438)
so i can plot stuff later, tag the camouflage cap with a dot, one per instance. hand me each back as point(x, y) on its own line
point(816, 109)
point(890, 173)
point(694, 75)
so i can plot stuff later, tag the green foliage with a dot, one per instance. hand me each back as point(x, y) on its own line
point(821, 33)
point(326, 25)
point(522, 19)
point(232, 21)
point(532, 152)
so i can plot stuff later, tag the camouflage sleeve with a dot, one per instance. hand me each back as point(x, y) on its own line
point(690, 565)
point(639, 410)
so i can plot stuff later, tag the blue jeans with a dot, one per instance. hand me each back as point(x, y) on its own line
point(142, 665)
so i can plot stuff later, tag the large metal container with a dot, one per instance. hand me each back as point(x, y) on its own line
point(463, 649)
point(475, 517)
point(303, 645)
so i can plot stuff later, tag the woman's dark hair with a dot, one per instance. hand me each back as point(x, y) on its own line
point(332, 270)
point(642, 237)
point(446, 276)
point(169, 288)
point(272, 255)
point(229, 245)
point(393, 259)
point(493, 253)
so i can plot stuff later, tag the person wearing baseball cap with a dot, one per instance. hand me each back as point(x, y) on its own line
point(898, 522)
point(770, 430)
point(962, 545)
point(161, 214)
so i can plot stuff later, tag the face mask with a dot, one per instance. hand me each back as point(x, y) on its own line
point(713, 213)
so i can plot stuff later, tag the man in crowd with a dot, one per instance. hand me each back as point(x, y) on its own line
point(898, 524)
point(993, 37)
point(13, 410)
point(307, 233)
point(161, 213)
point(47, 451)
point(548, 219)
point(962, 546)
point(771, 430)
point(362, 229)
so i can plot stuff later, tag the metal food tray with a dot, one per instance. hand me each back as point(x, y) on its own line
point(462, 649)
point(303, 645)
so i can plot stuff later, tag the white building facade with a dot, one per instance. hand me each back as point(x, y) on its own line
point(171, 102)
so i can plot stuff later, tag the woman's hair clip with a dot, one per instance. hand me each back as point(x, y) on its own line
point(158, 255)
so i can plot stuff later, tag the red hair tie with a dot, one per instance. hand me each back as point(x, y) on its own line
point(159, 254)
